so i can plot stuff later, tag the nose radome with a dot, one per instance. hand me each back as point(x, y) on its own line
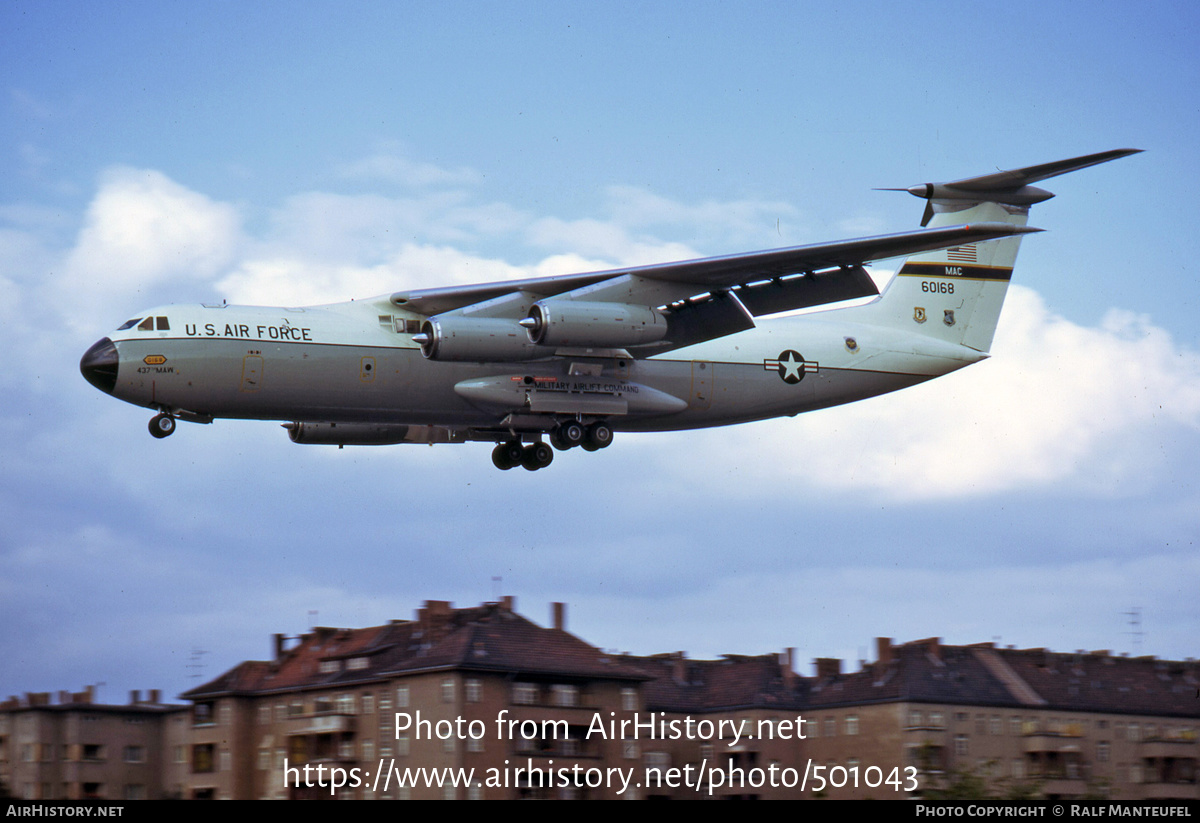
point(99, 365)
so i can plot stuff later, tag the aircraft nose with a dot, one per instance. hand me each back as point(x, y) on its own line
point(99, 365)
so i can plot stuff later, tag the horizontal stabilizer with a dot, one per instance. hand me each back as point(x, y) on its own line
point(1010, 187)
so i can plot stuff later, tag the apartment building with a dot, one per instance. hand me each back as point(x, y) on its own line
point(77, 749)
point(480, 688)
point(737, 720)
point(1024, 722)
point(516, 710)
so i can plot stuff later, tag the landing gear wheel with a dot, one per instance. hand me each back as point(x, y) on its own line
point(508, 455)
point(599, 436)
point(162, 425)
point(537, 456)
point(568, 435)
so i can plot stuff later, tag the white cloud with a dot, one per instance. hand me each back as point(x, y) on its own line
point(143, 229)
point(393, 167)
point(295, 281)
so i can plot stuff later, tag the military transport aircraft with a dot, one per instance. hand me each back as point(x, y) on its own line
point(570, 359)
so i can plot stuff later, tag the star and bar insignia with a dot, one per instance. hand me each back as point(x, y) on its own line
point(791, 366)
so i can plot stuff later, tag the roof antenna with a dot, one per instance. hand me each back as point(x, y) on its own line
point(1135, 623)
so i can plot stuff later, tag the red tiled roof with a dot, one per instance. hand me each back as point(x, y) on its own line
point(484, 638)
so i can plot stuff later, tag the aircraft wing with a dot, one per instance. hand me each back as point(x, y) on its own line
point(726, 272)
point(715, 296)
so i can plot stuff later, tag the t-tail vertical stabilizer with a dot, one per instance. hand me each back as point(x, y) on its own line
point(955, 294)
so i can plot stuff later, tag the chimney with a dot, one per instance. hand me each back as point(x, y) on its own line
point(883, 650)
point(155, 696)
point(279, 640)
point(933, 647)
point(679, 667)
point(64, 697)
point(785, 664)
point(508, 603)
point(828, 666)
point(559, 614)
point(433, 617)
point(135, 696)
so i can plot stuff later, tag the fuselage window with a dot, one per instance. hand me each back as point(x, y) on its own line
point(163, 325)
point(129, 324)
point(146, 325)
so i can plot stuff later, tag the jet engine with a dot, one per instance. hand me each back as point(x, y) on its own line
point(593, 325)
point(477, 339)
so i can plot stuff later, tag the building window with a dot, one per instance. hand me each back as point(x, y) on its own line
point(330, 666)
point(402, 746)
point(474, 691)
point(264, 715)
point(996, 725)
point(448, 690)
point(565, 696)
point(135, 754)
point(202, 714)
point(937, 720)
point(852, 725)
point(202, 758)
point(368, 750)
point(135, 791)
point(346, 704)
point(280, 712)
point(812, 728)
point(385, 701)
point(629, 701)
point(368, 703)
point(831, 727)
point(1102, 751)
point(525, 694)
point(915, 718)
point(402, 697)
point(960, 745)
point(93, 752)
point(475, 744)
point(629, 749)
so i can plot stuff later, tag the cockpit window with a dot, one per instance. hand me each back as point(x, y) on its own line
point(163, 325)
point(129, 324)
point(146, 325)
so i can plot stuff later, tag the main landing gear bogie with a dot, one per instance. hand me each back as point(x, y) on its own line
point(564, 436)
point(511, 454)
point(162, 425)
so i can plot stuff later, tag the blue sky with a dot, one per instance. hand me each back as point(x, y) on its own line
point(286, 153)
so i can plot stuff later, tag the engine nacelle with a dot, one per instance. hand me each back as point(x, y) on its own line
point(479, 339)
point(366, 434)
point(593, 325)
